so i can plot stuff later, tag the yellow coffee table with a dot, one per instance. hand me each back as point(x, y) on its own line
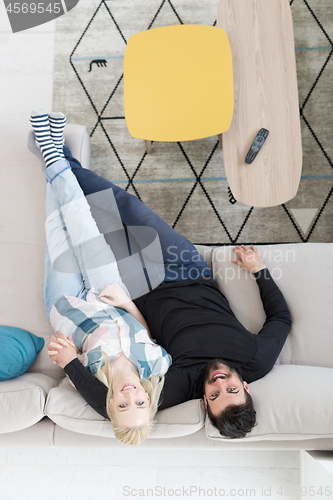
point(178, 83)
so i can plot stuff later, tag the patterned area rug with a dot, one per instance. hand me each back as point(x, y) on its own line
point(185, 183)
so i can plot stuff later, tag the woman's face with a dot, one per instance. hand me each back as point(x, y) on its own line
point(130, 403)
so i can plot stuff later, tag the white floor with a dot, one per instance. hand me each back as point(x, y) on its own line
point(26, 82)
point(78, 474)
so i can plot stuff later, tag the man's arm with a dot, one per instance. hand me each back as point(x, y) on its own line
point(274, 303)
point(272, 336)
point(275, 330)
point(275, 306)
point(248, 259)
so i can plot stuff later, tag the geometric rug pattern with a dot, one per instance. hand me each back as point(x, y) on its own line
point(185, 183)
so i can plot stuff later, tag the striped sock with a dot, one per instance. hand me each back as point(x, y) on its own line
point(57, 124)
point(40, 123)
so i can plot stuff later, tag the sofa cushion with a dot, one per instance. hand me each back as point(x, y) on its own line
point(18, 349)
point(303, 272)
point(22, 401)
point(66, 407)
point(39, 435)
point(292, 403)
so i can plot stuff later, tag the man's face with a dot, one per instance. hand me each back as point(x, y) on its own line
point(223, 387)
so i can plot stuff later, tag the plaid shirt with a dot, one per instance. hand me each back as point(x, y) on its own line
point(95, 326)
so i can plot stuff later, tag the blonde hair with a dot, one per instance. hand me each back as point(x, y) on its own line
point(153, 386)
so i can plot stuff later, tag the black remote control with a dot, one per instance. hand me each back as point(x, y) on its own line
point(256, 145)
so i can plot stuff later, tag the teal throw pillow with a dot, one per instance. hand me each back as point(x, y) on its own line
point(18, 350)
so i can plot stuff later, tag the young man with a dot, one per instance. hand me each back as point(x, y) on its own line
point(212, 353)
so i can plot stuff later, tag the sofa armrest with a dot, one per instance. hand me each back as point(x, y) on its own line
point(78, 141)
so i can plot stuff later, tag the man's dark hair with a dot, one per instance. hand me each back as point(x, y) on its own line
point(235, 421)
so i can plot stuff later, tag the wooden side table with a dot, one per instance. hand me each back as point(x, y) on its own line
point(260, 33)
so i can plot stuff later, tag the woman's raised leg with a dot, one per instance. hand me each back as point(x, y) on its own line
point(94, 257)
point(181, 259)
point(62, 275)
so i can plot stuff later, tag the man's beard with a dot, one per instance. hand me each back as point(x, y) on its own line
point(215, 365)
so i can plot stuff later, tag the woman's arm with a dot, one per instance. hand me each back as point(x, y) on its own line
point(91, 389)
point(115, 296)
point(64, 353)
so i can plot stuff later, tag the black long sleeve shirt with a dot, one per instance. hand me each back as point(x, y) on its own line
point(193, 321)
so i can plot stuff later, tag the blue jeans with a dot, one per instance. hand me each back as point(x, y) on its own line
point(77, 257)
point(181, 259)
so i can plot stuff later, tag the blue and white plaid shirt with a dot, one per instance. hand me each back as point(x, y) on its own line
point(95, 326)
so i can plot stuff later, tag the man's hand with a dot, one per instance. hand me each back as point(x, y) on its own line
point(115, 296)
point(248, 259)
point(61, 349)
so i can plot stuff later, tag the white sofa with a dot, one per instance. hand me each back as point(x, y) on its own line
point(293, 402)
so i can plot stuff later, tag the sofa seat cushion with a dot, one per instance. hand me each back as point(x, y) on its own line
point(66, 407)
point(292, 403)
point(22, 401)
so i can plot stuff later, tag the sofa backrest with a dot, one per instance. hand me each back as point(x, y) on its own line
point(22, 243)
point(304, 273)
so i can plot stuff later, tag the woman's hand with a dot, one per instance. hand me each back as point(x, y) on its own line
point(115, 296)
point(248, 258)
point(61, 349)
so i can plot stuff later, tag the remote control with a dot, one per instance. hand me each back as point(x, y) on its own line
point(256, 145)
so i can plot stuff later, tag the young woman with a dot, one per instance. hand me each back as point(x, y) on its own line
point(87, 301)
